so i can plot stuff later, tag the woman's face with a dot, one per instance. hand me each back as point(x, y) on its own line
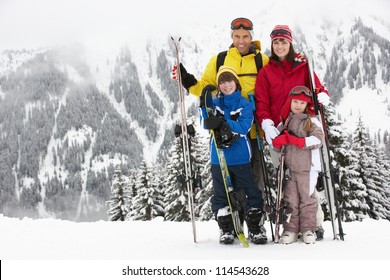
point(281, 47)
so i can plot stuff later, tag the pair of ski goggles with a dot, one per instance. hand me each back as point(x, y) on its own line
point(280, 32)
point(301, 90)
point(241, 23)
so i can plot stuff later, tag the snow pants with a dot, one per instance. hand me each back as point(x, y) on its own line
point(242, 179)
point(275, 156)
point(300, 197)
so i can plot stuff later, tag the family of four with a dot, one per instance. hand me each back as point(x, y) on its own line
point(284, 109)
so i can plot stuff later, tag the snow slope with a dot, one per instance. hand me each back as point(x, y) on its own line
point(156, 242)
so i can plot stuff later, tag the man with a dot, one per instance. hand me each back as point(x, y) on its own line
point(245, 57)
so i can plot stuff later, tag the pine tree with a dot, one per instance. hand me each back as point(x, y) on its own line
point(377, 177)
point(356, 207)
point(145, 206)
point(339, 146)
point(175, 195)
point(202, 160)
point(119, 200)
point(158, 197)
point(131, 190)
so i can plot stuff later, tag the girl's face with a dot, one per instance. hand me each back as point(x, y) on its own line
point(281, 47)
point(227, 87)
point(298, 106)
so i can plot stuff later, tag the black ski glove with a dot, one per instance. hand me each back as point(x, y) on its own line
point(226, 135)
point(202, 99)
point(188, 80)
point(213, 122)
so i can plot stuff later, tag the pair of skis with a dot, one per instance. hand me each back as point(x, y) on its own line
point(185, 143)
point(326, 175)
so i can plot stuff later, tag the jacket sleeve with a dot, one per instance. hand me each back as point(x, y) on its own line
point(319, 85)
point(209, 77)
point(244, 122)
point(262, 100)
point(315, 138)
point(203, 114)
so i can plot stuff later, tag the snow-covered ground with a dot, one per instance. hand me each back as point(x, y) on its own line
point(100, 250)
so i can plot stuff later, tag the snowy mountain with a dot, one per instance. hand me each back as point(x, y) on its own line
point(71, 112)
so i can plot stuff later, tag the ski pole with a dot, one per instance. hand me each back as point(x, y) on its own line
point(262, 159)
point(327, 178)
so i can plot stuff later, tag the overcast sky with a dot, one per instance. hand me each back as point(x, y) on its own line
point(25, 23)
point(35, 23)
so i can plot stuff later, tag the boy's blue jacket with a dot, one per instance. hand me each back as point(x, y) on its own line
point(238, 114)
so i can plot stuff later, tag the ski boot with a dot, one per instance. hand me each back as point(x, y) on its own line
point(226, 226)
point(320, 233)
point(288, 237)
point(309, 237)
point(256, 231)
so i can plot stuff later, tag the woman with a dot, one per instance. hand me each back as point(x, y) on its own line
point(285, 70)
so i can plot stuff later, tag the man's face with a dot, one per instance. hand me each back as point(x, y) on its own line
point(242, 40)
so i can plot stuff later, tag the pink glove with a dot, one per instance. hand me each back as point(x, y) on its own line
point(294, 140)
point(279, 141)
point(174, 72)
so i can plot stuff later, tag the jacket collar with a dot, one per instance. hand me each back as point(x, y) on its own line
point(254, 48)
point(295, 64)
point(231, 99)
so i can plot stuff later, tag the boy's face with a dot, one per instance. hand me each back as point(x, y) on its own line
point(298, 106)
point(227, 87)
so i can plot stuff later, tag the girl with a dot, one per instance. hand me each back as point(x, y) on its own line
point(302, 134)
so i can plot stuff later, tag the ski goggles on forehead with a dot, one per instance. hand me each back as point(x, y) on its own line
point(241, 23)
point(301, 90)
point(279, 32)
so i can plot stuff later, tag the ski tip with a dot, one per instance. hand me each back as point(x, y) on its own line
point(243, 240)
